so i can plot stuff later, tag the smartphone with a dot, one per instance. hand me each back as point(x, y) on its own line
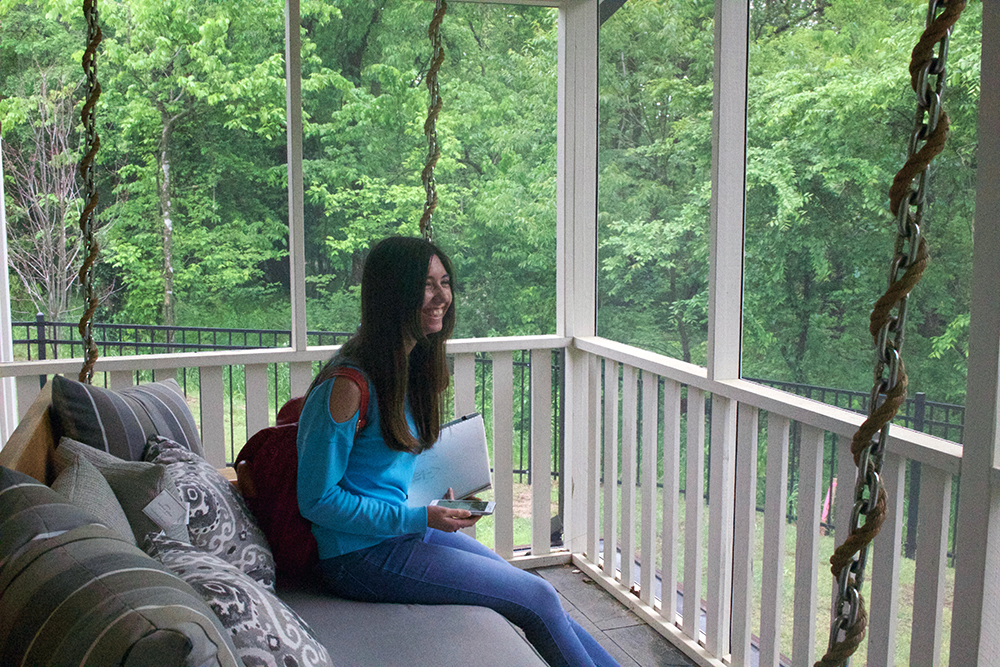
point(476, 507)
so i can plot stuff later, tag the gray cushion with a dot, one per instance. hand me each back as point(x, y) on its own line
point(135, 483)
point(264, 629)
point(219, 522)
point(439, 635)
point(84, 486)
point(118, 422)
point(81, 595)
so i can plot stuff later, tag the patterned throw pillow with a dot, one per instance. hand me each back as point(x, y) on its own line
point(219, 522)
point(264, 629)
point(73, 592)
point(118, 422)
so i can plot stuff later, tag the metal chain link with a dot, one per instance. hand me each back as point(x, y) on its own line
point(927, 72)
point(88, 217)
point(430, 125)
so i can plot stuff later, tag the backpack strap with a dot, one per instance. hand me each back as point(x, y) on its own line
point(355, 376)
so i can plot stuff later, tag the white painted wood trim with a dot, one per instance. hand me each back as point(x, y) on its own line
point(647, 520)
point(503, 452)
point(593, 458)
point(929, 574)
point(689, 645)
point(576, 169)
point(976, 614)
point(720, 525)
point(670, 528)
point(300, 377)
point(465, 384)
point(694, 493)
point(574, 474)
point(610, 467)
point(541, 452)
point(257, 401)
point(630, 407)
point(161, 374)
point(909, 444)
point(775, 528)
point(884, 560)
point(807, 545)
point(729, 134)
point(744, 533)
point(213, 431)
point(118, 380)
point(27, 390)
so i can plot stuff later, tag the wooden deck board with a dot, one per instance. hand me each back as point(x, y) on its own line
point(622, 634)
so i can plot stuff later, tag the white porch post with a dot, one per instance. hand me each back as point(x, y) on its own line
point(725, 300)
point(296, 197)
point(729, 133)
point(976, 613)
point(576, 242)
point(6, 334)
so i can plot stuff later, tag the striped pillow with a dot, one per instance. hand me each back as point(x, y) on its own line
point(81, 595)
point(118, 422)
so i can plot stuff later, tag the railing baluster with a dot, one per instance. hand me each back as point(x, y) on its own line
point(593, 459)
point(503, 452)
point(610, 467)
point(807, 545)
point(670, 530)
point(213, 432)
point(929, 577)
point(775, 527)
point(694, 492)
point(744, 534)
point(465, 384)
point(541, 452)
point(722, 492)
point(257, 403)
point(465, 397)
point(629, 409)
point(647, 543)
point(118, 380)
point(884, 598)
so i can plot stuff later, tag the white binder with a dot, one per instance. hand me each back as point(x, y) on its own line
point(459, 460)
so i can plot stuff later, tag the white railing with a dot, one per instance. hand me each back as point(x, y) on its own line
point(724, 554)
point(756, 573)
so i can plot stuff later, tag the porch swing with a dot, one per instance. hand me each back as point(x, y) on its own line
point(887, 322)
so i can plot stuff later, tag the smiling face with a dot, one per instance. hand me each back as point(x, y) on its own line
point(437, 297)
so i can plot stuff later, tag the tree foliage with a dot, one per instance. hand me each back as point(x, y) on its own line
point(193, 168)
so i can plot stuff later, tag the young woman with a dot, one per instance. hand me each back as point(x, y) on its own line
point(352, 485)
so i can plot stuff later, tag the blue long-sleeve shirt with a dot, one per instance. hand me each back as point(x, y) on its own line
point(352, 489)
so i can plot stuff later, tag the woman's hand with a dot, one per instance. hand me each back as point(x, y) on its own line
point(447, 519)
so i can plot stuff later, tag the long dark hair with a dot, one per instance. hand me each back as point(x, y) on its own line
point(392, 296)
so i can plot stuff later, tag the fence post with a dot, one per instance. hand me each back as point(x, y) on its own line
point(40, 330)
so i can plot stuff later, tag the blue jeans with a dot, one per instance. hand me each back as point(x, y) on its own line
point(453, 568)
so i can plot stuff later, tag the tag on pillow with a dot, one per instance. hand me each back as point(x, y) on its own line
point(169, 513)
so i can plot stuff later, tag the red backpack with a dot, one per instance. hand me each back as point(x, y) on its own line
point(267, 470)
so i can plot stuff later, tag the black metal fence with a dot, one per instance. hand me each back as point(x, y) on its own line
point(43, 339)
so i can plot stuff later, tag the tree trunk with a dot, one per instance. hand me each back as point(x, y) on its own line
point(166, 212)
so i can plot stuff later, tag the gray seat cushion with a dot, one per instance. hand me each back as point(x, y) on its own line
point(364, 634)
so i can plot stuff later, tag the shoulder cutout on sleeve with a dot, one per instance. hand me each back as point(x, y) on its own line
point(345, 399)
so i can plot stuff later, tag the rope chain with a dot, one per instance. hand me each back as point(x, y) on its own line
point(430, 125)
point(88, 216)
point(927, 77)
